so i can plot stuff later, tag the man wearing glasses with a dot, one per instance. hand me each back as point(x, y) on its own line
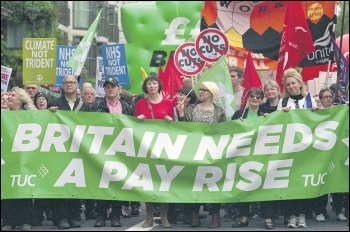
point(69, 100)
point(66, 212)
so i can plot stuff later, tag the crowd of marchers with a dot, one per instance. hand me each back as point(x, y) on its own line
point(151, 104)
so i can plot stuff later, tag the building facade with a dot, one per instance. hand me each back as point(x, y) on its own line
point(77, 16)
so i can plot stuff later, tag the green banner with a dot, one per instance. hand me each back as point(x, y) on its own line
point(92, 155)
point(39, 61)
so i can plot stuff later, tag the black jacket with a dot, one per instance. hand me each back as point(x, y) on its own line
point(266, 108)
point(62, 104)
point(239, 113)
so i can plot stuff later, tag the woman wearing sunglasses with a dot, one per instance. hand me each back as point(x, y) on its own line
point(205, 110)
point(255, 97)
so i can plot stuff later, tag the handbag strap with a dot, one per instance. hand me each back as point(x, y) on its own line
point(150, 108)
point(79, 105)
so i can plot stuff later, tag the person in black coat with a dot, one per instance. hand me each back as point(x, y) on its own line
point(255, 97)
point(111, 103)
point(66, 212)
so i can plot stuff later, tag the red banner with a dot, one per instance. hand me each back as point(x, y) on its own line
point(257, 27)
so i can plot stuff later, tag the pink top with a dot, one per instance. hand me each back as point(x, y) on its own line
point(160, 110)
point(114, 108)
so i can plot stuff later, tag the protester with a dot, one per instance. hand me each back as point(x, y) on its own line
point(188, 82)
point(4, 101)
point(338, 98)
point(127, 97)
point(272, 94)
point(237, 80)
point(40, 100)
point(86, 84)
point(187, 96)
point(31, 90)
point(78, 93)
point(295, 96)
point(66, 212)
point(89, 97)
point(154, 106)
point(340, 200)
point(317, 100)
point(255, 97)
point(41, 206)
point(111, 103)
point(205, 110)
point(18, 212)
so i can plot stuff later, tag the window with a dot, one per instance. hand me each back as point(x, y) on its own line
point(15, 34)
point(81, 14)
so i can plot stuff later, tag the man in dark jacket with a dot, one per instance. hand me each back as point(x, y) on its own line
point(66, 212)
point(111, 103)
point(69, 100)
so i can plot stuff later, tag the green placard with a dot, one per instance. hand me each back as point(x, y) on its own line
point(39, 61)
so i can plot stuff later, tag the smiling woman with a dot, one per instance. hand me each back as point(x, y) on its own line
point(20, 100)
point(208, 112)
point(17, 212)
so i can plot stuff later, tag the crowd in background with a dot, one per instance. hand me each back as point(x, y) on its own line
point(65, 213)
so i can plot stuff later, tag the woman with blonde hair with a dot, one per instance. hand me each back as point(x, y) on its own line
point(20, 100)
point(295, 96)
point(205, 110)
point(272, 93)
point(17, 212)
point(294, 92)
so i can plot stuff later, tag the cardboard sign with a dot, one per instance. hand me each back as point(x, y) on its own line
point(187, 60)
point(211, 44)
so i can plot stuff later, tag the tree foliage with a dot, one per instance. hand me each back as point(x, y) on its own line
point(46, 26)
point(342, 14)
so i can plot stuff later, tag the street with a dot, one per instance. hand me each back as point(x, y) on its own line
point(134, 224)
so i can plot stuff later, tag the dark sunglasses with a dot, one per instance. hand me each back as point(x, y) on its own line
point(253, 96)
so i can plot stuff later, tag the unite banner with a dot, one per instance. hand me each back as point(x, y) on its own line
point(299, 154)
point(257, 26)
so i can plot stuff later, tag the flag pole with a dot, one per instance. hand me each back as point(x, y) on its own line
point(340, 48)
point(193, 86)
point(331, 54)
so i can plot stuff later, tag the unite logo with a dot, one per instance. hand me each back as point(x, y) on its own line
point(321, 56)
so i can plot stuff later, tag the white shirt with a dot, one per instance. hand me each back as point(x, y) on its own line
point(301, 102)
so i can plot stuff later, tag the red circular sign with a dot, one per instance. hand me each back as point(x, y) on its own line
point(211, 44)
point(187, 60)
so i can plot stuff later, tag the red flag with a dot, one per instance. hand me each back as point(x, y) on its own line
point(251, 79)
point(171, 79)
point(296, 41)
